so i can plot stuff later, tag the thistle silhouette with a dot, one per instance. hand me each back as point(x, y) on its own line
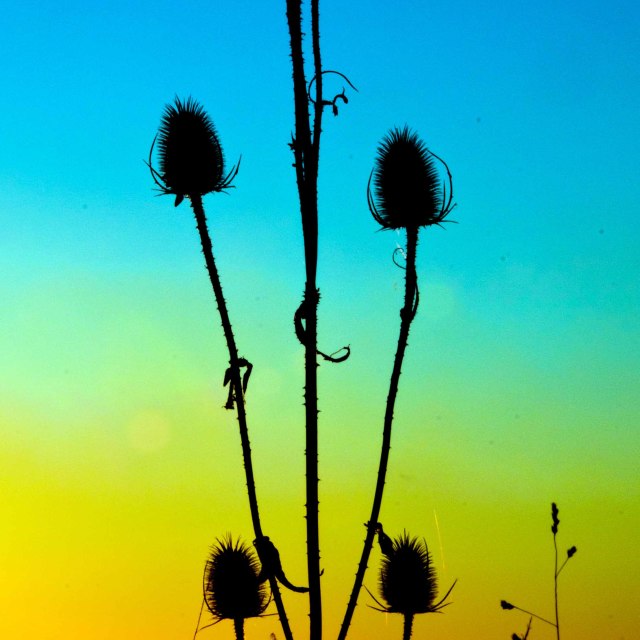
point(232, 588)
point(408, 193)
point(407, 581)
point(191, 165)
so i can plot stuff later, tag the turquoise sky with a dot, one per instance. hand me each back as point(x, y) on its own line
point(521, 382)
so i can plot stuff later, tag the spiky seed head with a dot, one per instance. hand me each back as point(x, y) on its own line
point(407, 578)
point(407, 188)
point(231, 586)
point(191, 161)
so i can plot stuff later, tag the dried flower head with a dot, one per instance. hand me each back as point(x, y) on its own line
point(190, 155)
point(554, 517)
point(232, 589)
point(408, 582)
point(407, 187)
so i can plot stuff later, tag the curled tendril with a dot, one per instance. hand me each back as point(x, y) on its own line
point(340, 96)
point(396, 251)
point(301, 334)
point(331, 357)
point(416, 296)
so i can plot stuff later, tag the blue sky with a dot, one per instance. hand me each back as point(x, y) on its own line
point(527, 335)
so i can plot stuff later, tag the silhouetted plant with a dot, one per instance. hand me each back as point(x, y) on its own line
point(407, 581)
point(191, 158)
point(408, 193)
point(232, 587)
point(272, 565)
point(571, 551)
point(305, 145)
point(407, 189)
point(191, 165)
point(515, 636)
point(306, 150)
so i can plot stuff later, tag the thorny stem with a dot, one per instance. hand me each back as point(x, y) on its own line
point(407, 314)
point(306, 151)
point(235, 381)
point(317, 65)
point(311, 362)
point(238, 625)
point(408, 626)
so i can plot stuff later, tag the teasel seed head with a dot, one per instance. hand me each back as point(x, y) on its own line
point(231, 586)
point(408, 582)
point(408, 187)
point(191, 160)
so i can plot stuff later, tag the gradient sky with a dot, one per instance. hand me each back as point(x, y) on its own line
point(118, 465)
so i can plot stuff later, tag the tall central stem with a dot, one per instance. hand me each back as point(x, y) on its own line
point(306, 149)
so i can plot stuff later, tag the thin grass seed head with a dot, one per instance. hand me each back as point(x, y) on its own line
point(408, 190)
point(191, 160)
point(231, 586)
point(408, 581)
point(554, 518)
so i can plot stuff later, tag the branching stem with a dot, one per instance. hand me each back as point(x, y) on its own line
point(535, 615)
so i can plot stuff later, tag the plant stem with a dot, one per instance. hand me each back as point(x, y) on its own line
point(555, 584)
point(311, 349)
point(311, 411)
point(535, 615)
point(306, 153)
point(235, 381)
point(407, 314)
point(408, 626)
point(238, 625)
